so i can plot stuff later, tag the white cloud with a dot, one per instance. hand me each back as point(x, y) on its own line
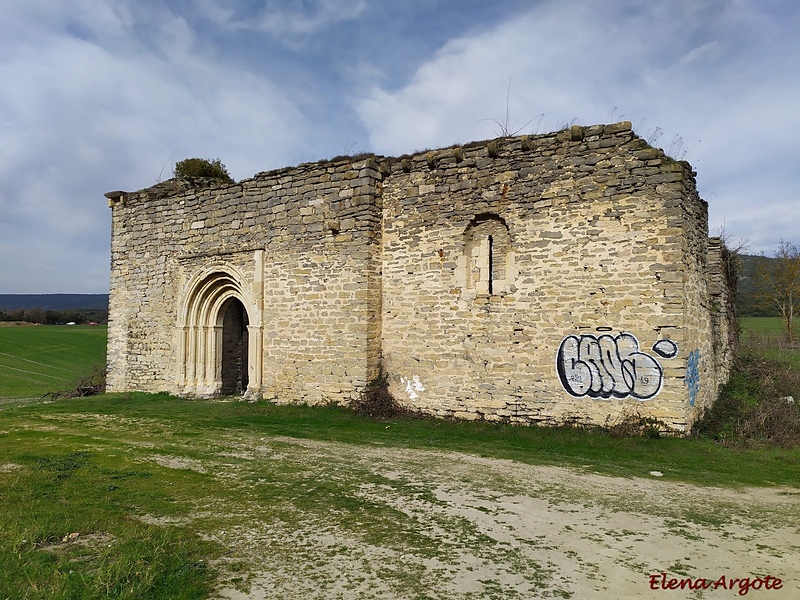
point(707, 52)
point(98, 95)
point(713, 75)
point(88, 106)
point(281, 18)
point(553, 59)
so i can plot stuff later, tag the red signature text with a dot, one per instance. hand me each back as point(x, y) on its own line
point(742, 585)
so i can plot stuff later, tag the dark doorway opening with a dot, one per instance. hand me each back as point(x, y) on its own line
point(234, 348)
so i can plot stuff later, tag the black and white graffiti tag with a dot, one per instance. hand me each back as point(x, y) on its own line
point(611, 366)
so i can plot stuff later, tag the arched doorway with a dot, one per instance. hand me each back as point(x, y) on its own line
point(219, 335)
point(234, 347)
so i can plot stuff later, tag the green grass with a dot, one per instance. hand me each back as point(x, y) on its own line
point(766, 337)
point(87, 465)
point(35, 360)
point(49, 492)
point(757, 406)
point(97, 467)
point(683, 459)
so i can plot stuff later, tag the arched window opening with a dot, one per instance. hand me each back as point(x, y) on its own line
point(488, 260)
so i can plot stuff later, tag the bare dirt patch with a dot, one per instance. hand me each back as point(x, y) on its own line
point(91, 542)
point(486, 528)
point(302, 519)
point(176, 462)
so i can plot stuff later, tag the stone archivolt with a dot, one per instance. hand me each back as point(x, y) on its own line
point(201, 313)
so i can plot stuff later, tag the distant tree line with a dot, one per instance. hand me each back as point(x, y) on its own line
point(770, 286)
point(41, 316)
point(749, 301)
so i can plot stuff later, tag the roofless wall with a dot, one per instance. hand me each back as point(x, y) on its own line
point(529, 279)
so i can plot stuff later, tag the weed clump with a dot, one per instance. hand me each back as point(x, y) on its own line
point(376, 402)
point(87, 385)
point(636, 425)
point(759, 404)
point(630, 424)
point(202, 167)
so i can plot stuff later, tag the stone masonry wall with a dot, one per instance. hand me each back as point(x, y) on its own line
point(598, 248)
point(302, 239)
point(699, 381)
point(532, 279)
point(722, 294)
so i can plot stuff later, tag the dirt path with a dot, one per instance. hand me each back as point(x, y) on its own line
point(501, 529)
point(303, 519)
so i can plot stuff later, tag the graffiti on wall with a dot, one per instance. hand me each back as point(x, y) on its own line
point(413, 385)
point(609, 366)
point(693, 375)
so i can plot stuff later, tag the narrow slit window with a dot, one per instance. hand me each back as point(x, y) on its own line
point(491, 265)
point(487, 254)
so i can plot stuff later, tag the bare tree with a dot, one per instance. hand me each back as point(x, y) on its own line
point(778, 283)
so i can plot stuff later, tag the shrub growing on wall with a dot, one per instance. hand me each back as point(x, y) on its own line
point(201, 167)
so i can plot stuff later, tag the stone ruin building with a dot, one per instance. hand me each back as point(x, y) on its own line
point(542, 279)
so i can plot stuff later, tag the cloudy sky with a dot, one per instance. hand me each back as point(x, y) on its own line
point(101, 95)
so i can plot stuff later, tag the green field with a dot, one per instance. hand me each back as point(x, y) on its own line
point(35, 360)
point(168, 497)
point(767, 326)
point(766, 337)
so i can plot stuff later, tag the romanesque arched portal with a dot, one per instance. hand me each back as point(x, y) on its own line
point(219, 335)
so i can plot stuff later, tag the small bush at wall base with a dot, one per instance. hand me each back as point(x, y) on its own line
point(759, 404)
point(88, 385)
point(377, 402)
point(636, 425)
point(628, 425)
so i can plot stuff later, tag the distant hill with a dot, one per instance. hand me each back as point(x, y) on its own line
point(53, 301)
